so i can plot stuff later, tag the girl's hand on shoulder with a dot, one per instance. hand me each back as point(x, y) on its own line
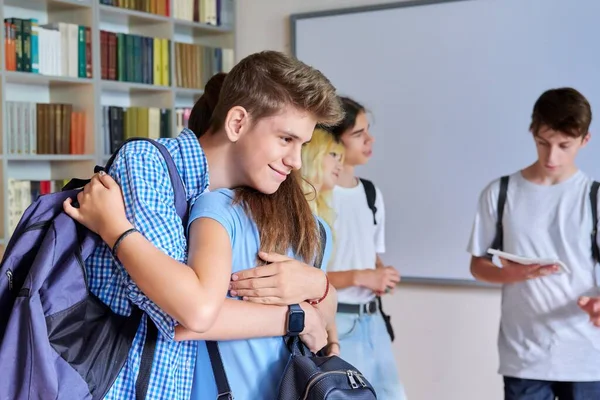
point(284, 281)
point(101, 208)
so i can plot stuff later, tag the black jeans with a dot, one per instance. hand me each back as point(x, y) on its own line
point(530, 389)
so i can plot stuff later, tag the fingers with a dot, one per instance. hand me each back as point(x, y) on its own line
point(250, 293)
point(276, 301)
point(583, 300)
point(70, 210)
point(107, 180)
point(256, 283)
point(257, 272)
point(592, 307)
point(542, 270)
point(272, 257)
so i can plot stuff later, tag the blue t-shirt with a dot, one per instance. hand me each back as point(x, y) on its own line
point(254, 367)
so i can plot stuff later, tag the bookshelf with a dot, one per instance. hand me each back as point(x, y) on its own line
point(60, 108)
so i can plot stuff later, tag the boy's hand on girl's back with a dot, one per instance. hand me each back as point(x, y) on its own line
point(283, 281)
point(515, 272)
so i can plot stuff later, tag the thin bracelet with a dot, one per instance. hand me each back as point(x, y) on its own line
point(120, 239)
point(315, 302)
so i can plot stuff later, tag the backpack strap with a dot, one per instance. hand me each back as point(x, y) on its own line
point(371, 196)
point(594, 202)
point(181, 205)
point(223, 388)
point(323, 238)
point(498, 242)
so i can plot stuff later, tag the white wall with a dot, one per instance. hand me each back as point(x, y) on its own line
point(446, 336)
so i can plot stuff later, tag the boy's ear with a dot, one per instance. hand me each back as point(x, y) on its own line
point(236, 123)
point(586, 139)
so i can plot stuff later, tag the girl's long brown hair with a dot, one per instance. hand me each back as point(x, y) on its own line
point(263, 83)
point(284, 219)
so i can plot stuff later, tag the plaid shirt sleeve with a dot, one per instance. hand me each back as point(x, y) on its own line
point(149, 199)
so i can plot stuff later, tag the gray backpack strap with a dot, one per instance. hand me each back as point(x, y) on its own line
point(498, 242)
point(594, 202)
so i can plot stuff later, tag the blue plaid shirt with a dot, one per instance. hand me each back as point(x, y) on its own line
point(142, 173)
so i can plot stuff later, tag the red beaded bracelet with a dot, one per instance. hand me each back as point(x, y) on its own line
point(315, 302)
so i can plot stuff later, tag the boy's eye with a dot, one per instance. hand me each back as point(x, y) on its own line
point(286, 139)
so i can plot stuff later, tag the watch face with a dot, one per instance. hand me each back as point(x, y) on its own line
point(296, 321)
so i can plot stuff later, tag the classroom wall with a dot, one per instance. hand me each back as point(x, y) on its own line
point(445, 336)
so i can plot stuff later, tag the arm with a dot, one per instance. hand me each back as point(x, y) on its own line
point(240, 320)
point(375, 279)
point(147, 197)
point(483, 269)
point(345, 279)
point(200, 290)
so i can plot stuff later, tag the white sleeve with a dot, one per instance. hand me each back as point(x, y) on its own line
point(484, 224)
point(380, 227)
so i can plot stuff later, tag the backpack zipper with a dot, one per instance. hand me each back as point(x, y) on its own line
point(351, 378)
point(360, 379)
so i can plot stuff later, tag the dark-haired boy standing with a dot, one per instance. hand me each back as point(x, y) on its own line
point(548, 349)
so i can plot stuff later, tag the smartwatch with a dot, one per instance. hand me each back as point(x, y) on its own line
point(295, 320)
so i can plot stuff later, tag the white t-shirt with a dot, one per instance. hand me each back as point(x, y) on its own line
point(543, 334)
point(357, 238)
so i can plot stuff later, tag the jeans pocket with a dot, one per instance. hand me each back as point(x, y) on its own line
point(346, 325)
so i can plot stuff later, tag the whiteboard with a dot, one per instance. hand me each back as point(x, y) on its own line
point(450, 86)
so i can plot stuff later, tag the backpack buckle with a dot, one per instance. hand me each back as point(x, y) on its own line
point(225, 396)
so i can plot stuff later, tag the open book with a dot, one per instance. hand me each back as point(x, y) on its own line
point(529, 261)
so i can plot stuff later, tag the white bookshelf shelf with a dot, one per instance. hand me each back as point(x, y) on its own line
point(90, 96)
point(119, 86)
point(200, 28)
point(179, 91)
point(29, 78)
point(50, 5)
point(50, 157)
point(123, 15)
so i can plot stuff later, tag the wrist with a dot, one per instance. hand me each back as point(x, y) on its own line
point(323, 291)
point(295, 320)
point(359, 276)
point(112, 233)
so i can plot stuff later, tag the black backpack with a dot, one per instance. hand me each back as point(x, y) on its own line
point(371, 194)
point(498, 242)
point(306, 376)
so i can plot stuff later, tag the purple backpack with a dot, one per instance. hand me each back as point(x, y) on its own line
point(58, 340)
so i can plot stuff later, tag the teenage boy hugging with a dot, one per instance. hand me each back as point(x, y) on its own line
point(355, 269)
point(547, 346)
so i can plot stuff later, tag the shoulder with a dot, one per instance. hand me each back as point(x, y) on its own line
point(217, 200)
point(138, 155)
point(218, 205)
point(492, 189)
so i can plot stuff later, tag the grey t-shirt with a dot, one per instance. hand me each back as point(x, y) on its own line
point(543, 333)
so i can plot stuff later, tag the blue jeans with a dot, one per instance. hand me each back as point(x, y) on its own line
point(530, 389)
point(365, 343)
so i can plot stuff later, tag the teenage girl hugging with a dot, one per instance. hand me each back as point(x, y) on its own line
point(251, 125)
